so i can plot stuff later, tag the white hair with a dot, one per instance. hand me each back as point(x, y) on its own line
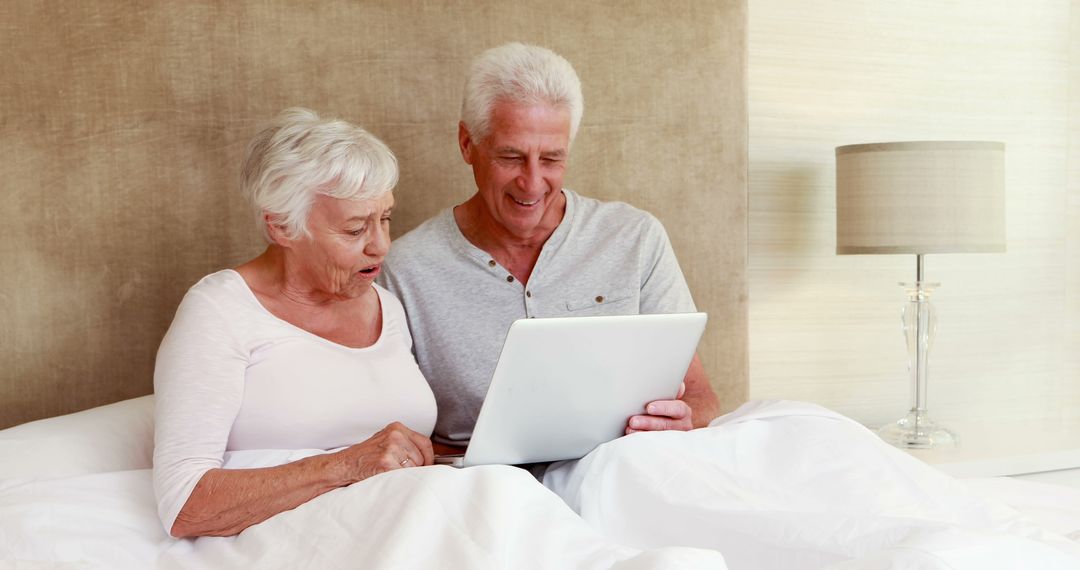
point(299, 155)
point(519, 73)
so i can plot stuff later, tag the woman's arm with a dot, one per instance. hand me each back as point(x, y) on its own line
point(227, 501)
point(199, 388)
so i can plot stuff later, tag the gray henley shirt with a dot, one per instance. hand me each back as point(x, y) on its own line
point(604, 258)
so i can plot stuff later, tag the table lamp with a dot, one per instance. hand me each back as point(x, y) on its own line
point(920, 197)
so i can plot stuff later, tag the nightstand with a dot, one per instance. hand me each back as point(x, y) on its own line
point(1009, 448)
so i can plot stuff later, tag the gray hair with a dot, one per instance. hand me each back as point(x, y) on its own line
point(299, 155)
point(519, 73)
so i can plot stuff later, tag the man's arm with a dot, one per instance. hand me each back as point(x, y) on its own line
point(664, 290)
point(696, 406)
point(699, 394)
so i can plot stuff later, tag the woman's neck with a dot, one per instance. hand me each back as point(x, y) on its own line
point(274, 274)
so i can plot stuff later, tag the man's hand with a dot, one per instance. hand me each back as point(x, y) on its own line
point(694, 407)
point(663, 415)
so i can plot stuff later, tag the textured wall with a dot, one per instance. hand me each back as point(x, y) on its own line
point(826, 328)
point(122, 129)
point(1072, 250)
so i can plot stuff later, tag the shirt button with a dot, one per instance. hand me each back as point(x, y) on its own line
point(509, 278)
point(528, 294)
point(491, 263)
point(599, 298)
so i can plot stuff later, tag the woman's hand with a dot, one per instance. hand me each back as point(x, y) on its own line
point(226, 501)
point(393, 447)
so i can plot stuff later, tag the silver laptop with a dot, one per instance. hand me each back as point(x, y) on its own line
point(565, 385)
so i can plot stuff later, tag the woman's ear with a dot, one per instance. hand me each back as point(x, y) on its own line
point(276, 230)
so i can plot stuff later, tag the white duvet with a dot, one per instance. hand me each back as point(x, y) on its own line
point(771, 486)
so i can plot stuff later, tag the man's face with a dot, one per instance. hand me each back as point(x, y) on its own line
point(519, 167)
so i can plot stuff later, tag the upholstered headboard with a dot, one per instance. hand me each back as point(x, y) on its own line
point(122, 128)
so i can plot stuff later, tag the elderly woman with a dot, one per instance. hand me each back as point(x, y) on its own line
point(295, 349)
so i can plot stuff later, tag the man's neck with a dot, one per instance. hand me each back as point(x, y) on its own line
point(518, 254)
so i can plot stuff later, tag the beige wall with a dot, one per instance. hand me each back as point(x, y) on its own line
point(1072, 249)
point(824, 327)
point(122, 128)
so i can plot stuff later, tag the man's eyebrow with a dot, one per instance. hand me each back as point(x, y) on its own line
point(558, 153)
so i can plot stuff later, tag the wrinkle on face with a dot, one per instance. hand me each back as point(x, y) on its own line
point(346, 237)
point(519, 168)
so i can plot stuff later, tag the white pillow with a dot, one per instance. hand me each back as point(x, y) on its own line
point(115, 437)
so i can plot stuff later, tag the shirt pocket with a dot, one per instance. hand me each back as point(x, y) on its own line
point(602, 301)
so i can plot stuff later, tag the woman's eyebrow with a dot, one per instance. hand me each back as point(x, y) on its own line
point(369, 215)
point(360, 218)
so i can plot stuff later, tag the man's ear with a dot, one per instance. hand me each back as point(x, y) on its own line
point(465, 142)
point(276, 229)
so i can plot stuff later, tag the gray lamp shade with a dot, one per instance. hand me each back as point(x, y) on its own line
point(920, 197)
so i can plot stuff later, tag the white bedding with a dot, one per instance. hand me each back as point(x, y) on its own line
point(793, 485)
point(774, 485)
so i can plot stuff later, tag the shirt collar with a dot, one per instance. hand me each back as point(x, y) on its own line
point(554, 241)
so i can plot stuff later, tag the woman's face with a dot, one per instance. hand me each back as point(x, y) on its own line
point(349, 239)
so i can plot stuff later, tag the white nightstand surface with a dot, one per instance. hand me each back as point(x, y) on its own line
point(1008, 448)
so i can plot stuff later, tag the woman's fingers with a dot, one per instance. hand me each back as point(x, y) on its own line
point(423, 445)
point(414, 448)
point(393, 447)
point(399, 449)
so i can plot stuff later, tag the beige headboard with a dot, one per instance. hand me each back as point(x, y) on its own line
point(122, 127)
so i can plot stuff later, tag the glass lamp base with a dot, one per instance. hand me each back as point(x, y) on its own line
point(918, 431)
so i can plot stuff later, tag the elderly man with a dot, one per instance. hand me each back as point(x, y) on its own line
point(523, 246)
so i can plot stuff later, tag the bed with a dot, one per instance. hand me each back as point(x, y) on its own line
point(771, 485)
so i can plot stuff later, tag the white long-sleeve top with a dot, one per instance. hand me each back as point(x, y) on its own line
point(230, 376)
